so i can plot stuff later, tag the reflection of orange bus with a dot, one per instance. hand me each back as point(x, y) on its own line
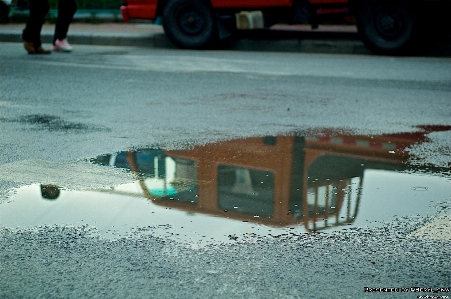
point(273, 180)
point(263, 180)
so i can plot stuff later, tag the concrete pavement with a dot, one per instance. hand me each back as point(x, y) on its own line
point(280, 38)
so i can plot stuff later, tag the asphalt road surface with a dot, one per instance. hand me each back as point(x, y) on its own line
point(65, 119)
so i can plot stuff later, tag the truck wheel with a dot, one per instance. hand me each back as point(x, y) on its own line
point(387, 26)
point(189, 23)
point(4, 12)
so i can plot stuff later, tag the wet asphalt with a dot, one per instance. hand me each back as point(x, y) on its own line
point(58, 112)
point(55, 262)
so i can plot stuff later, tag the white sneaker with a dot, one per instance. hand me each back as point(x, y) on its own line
point(62, 45)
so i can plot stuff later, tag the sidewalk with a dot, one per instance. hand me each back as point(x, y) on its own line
point(280, 38)
point(114, 34)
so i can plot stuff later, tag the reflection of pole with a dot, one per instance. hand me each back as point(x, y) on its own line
point(315, 207)
point(155, 166)
point(348, 204)
point(326, 205)
point(134, 168)
point(350, 216)
point(359, 196)
point(341, 193)
point(112, 160)
point(305, 211)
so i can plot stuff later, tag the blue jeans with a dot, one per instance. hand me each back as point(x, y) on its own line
point(38, 11)
point(66, 11)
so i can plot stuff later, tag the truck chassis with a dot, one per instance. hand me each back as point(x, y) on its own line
point(385, 26)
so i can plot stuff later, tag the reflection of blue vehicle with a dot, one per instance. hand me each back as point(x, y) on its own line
point(149, 162)
point(160, 175)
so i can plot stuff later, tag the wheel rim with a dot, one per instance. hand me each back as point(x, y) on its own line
point(390, 22)
point(191, 21)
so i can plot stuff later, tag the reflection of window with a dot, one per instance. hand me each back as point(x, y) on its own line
point(246, 190)
point(179, 182)
point(330, 167)
point(150, 162)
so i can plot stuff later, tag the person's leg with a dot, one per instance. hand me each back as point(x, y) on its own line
point(66, 11)
point(32, 31)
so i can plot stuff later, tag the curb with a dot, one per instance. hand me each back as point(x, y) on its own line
point(300, 46)
point(98, 39)
point(246, 42)
point(263, 41)
point(299, 42)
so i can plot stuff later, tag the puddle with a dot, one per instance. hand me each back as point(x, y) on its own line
point(245, 188)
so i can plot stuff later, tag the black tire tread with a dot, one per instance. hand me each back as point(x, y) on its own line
point(176, 35)
point(407, 41)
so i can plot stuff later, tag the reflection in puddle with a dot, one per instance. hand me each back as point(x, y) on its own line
point(262, 185)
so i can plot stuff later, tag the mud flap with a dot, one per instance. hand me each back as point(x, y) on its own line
point(226, 25)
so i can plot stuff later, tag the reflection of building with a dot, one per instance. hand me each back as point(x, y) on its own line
point(272, 180)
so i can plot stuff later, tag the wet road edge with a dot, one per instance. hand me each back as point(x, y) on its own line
point(264, 40)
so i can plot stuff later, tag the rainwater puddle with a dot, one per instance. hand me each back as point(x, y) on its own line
point(241, 189)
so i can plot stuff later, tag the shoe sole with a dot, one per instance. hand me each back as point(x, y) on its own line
point(61, 50)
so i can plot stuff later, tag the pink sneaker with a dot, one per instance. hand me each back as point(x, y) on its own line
point(62, 45)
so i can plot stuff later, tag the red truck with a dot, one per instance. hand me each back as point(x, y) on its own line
point(386, 26)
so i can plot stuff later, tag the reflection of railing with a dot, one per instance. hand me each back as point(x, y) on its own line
point(332, 204)
point(331, 198)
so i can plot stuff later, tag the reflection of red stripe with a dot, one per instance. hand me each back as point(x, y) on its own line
point(403, 139)
point(375, 145)
point(323, 139)
point(327, 1)
point(349, 141)
point(358, 142)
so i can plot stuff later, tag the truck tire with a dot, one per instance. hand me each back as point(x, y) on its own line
point(190, 23)
point(4, 12)
point(388, 26)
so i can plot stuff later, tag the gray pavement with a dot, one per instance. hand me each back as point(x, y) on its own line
point(280, 38)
